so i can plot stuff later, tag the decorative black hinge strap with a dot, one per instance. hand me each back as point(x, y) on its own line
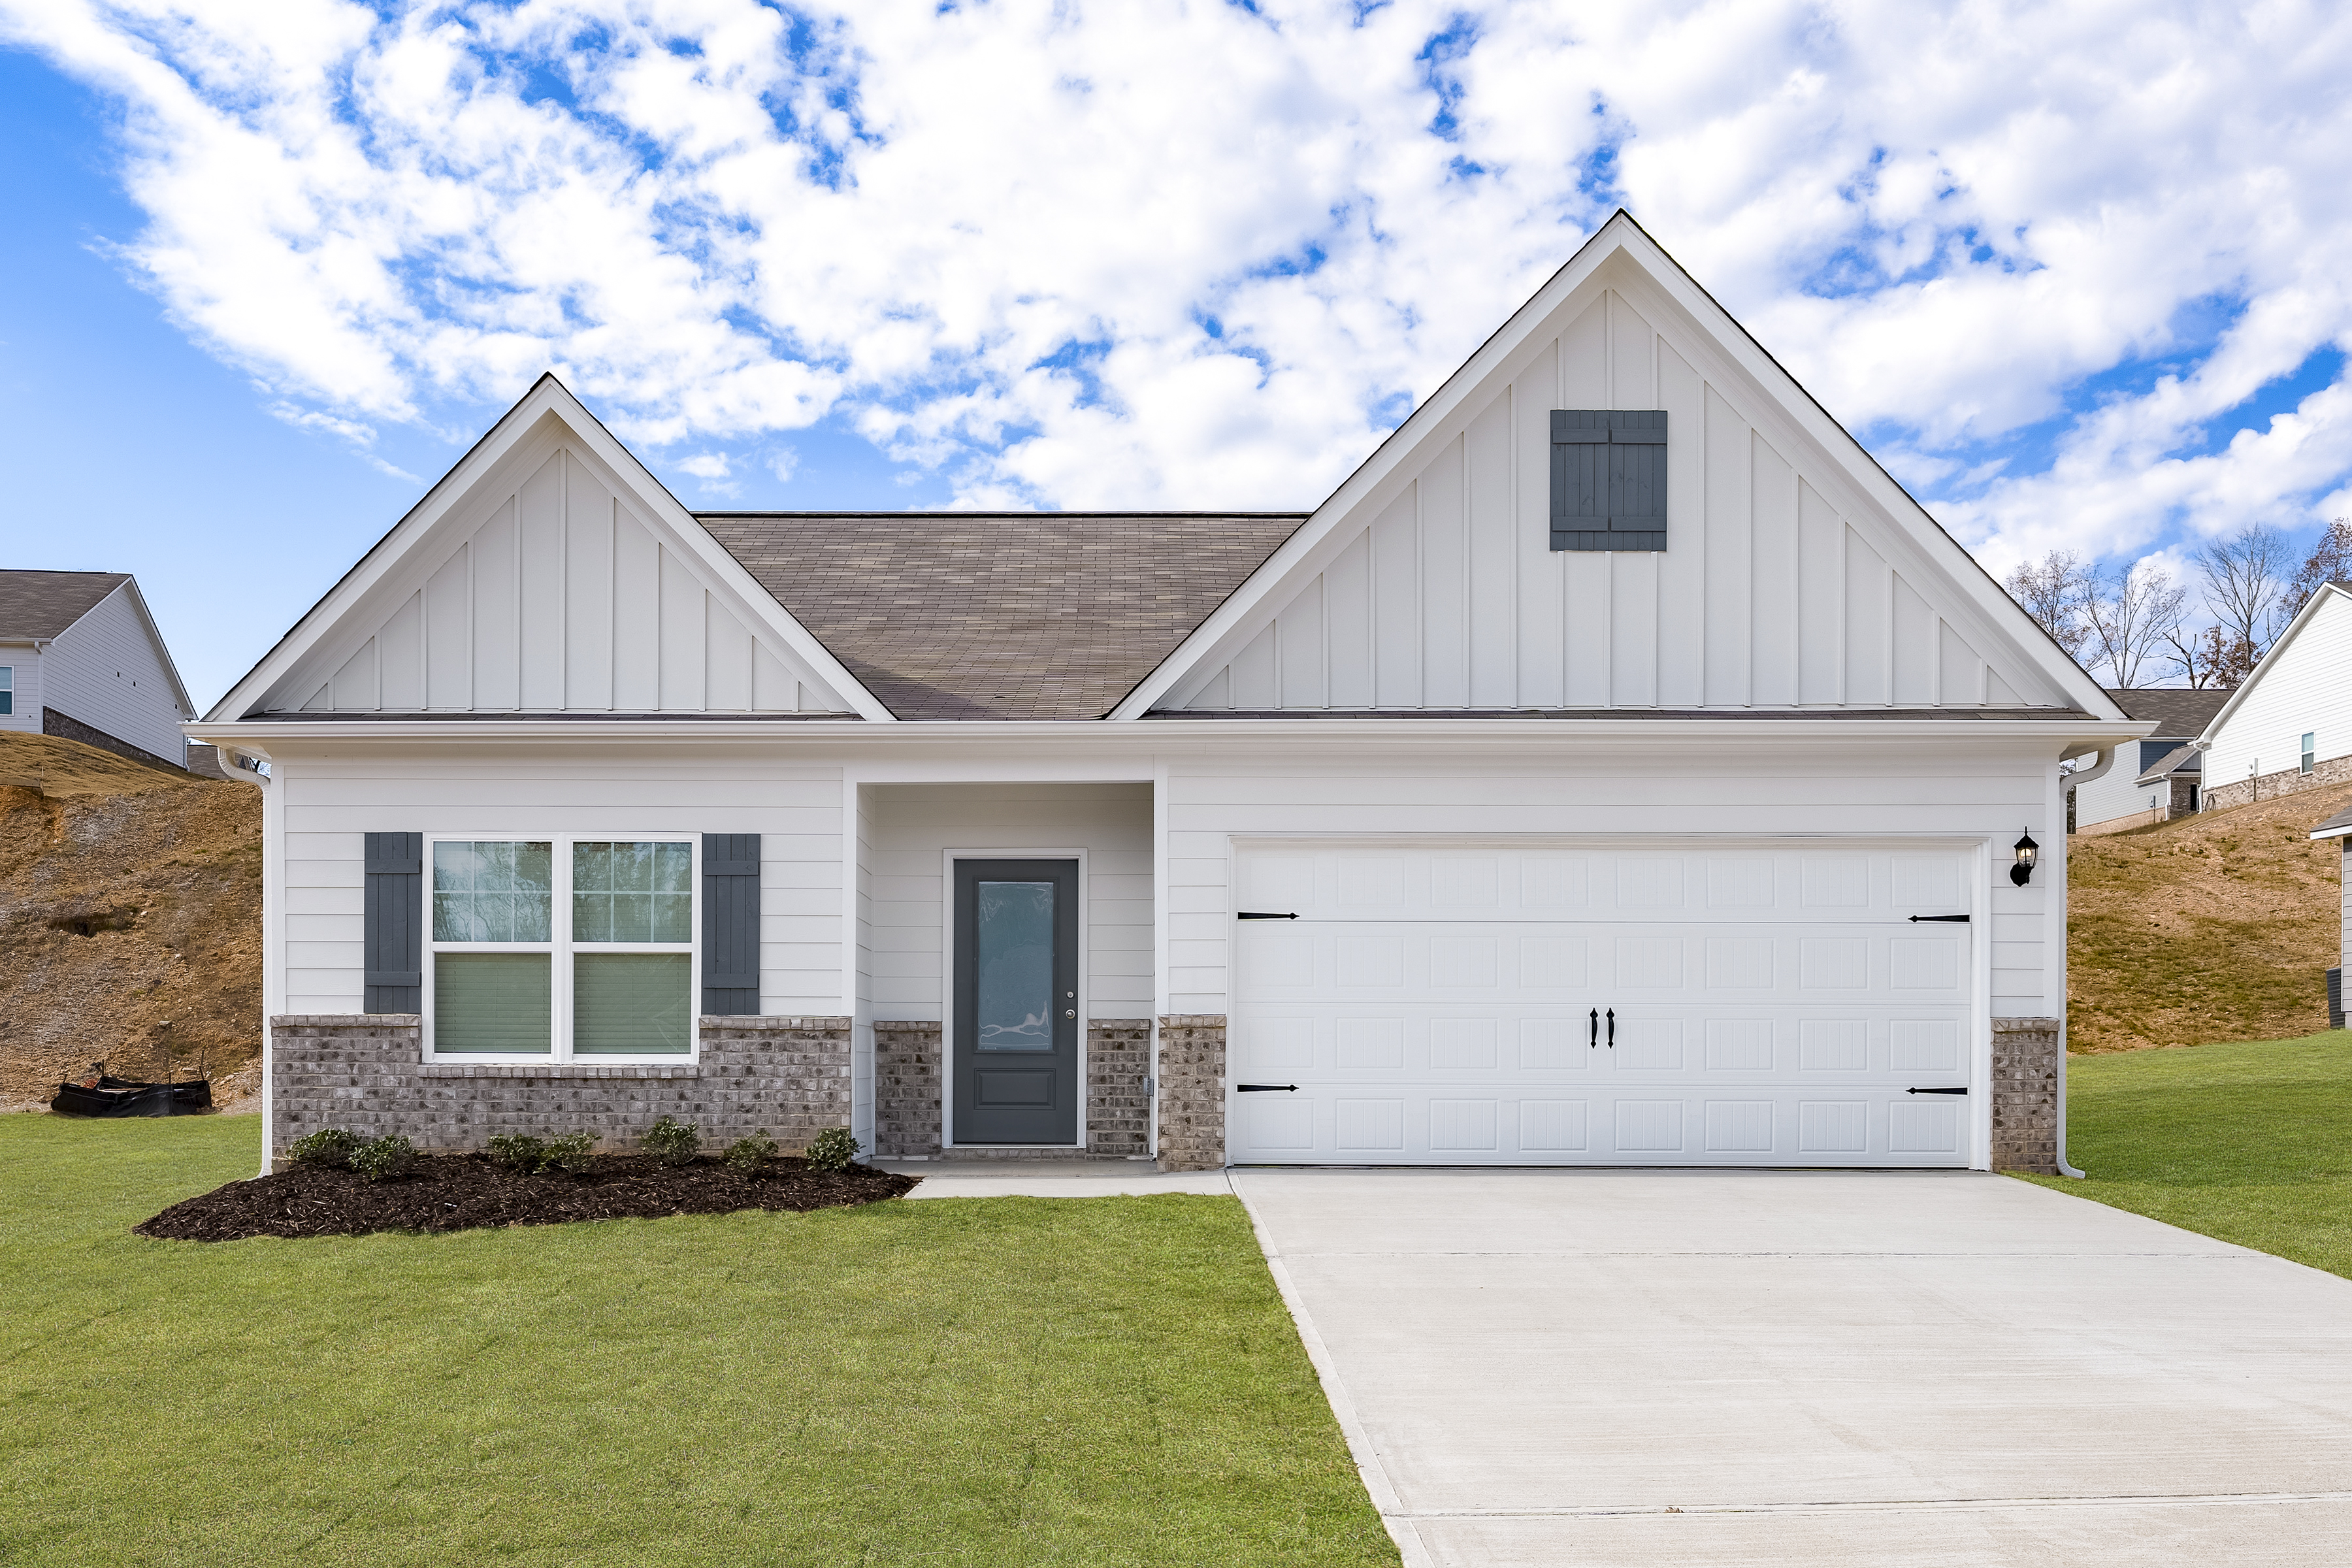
point(1261, 915)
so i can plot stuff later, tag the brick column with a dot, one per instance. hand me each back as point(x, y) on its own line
point(1193, 1091)
point(2025, 1095)
point(907, 1111)
point(1119, 1058)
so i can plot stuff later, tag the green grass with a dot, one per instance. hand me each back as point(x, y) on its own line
point(1001, 1381)
point(2250, 1143)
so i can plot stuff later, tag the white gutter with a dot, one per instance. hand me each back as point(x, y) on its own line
point(2085, 775)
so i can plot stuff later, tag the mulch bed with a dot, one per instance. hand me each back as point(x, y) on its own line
point(467, 1192)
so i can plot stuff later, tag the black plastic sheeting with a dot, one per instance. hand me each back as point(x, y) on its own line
point(125, 1097)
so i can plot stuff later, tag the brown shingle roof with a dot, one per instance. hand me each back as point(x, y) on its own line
point(1000, 615)
point(44, 604)
point(2181, 713)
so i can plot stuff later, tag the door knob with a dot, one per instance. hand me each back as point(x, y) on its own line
point(1069, 1012)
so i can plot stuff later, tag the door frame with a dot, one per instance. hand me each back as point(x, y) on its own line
point(948, 858)
point(1983, 852)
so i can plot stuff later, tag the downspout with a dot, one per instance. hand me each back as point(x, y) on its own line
point(2080, 776)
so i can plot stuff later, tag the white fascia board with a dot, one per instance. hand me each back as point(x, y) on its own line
point(2262, 665)
point(2343, 832)
point(162, 649)
point(549, 399)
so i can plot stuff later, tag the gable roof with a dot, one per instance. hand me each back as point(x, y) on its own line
point(1000, 615)
point(2269, 661)
point(2182, 758)
point(41, 605)
point(2336, 827)
point(1621, 255)
point(2181, 713)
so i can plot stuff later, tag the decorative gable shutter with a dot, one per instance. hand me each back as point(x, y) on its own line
point(1608, 478)
point(1637, 478)
point(393, 899)
point(730, 923)
point(1580, 479)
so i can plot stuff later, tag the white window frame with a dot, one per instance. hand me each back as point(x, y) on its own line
point(2309, 747)
point(562, 949)
point(7, 691)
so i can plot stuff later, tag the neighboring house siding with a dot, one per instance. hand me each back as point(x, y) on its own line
point(105, 671)
point(327, 804)
point(2305, 686)
point(910, 827)
point(1712, 794)
point(1780, 586)
point(24, 717)
point(2116, 794)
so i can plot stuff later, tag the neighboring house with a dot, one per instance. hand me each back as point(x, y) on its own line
point(1618, 768)
point(2339, 827)
point(81, 658)
point(2156, 778)
point(2289, 726)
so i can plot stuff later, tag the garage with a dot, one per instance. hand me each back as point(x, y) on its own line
point(1802, 1002)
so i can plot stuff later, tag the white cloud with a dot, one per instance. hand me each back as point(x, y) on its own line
point(1143, 257)
point(784, 462)
point(713, 470)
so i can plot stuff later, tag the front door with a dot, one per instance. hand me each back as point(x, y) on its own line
point(1017, 1002)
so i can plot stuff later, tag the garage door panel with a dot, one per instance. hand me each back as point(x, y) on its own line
point(1472, 1003)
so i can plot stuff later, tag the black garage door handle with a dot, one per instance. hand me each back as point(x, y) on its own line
point(1962, 1089)
point(1262, 915)
point(1265, 1088)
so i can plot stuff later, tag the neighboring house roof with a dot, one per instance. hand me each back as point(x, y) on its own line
point(2336, 826)
point(2181, 759)
point(2179, 712)
point(1000, 615)
point(44, 604)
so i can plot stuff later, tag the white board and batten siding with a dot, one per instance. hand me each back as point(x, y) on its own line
point(2305, 686)
point(107, 671)
point(327, 801)
point(554, 594)
point(1782, 585)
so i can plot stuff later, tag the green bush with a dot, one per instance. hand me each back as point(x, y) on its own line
point(745, 1155)
point(518, 1151)
point(672, 1142)
point(574, 1154)
point(328, 1146)
point(831, 1150)
point(385, 1158)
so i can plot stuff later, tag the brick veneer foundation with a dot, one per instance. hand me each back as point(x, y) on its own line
point(786, 1077)
point(1119, 1111)
point(1193, 1091)
point(2025, 1095)
point(907, 1081)
point(2270, 786)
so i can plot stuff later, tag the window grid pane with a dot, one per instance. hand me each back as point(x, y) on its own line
point(493, 890)
point(632, 892)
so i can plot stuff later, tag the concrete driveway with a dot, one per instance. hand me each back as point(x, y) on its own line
point(1549, 1367)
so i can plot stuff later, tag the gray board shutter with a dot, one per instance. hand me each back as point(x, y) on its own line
point(1608, 478)
point(393, 899)
point(730, 923)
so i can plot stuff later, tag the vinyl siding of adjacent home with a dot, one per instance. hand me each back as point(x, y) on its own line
point(2306, 685)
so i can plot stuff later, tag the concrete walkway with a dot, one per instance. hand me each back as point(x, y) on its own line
point(1619, 1367)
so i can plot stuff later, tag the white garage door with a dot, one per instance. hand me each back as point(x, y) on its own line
point(1474, 1005)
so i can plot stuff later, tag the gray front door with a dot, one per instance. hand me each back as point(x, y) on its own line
point(1017, 1002)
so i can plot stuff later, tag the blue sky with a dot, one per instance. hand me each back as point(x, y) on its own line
point(2072, 272)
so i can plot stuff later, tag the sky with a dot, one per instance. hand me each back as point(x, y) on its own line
point(2074, 273)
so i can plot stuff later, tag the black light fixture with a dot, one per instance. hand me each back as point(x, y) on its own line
point(2022, 872)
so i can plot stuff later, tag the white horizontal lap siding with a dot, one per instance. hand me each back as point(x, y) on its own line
point(25, 714)
point(330, 803)
point(1782, 586)
point(2307, 686)
point(104, 670)
point(912, 827)
point(1695, 797)
point(861, 1048)
point(2118, 792)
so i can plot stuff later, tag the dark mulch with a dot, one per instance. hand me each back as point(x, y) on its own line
point(465, 1192)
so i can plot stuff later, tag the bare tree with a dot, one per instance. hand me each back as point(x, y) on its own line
point(2330, 562)
point(2127, 613)
point(2052, 590)
point(2246, 589)
point(2208, 657)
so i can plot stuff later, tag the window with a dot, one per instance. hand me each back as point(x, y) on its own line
point(7, 690)
point(1608, 478)
point(2308, 749)
point(562, 948)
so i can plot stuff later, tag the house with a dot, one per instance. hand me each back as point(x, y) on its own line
point(2339, 828)
point(1618, 768)
point(2289, 726)
point(2156, 778)
point(81, 658)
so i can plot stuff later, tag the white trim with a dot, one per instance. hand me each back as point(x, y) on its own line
point(948, 858)
point(561, 949)
point(2261, 668)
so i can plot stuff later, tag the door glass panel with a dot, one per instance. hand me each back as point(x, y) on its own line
point(1014, 950)
point(493, 890)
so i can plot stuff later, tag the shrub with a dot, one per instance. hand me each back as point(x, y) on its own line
point(518, 1151)
point(831, 1150)
point(745, 1155)
point(672, 1142)
point(328, 1146)
point(574, 1154)
point(385, 1158)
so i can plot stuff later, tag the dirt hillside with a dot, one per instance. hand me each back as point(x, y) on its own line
point(130, 918)
point(2216, 927)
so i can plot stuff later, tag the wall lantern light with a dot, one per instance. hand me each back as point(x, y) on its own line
point(2022, 872)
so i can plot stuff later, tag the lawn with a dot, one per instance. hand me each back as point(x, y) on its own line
point(999, 1381)
point(2251, 1144)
